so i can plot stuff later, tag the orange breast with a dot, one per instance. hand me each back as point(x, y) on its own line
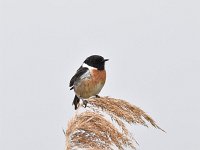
point(99, 76)
point(91, 86)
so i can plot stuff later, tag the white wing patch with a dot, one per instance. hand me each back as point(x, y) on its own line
point(85, 75)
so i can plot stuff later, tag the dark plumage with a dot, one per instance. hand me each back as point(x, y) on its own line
point(77, 76)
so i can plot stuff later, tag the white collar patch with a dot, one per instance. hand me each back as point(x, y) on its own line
point(89, 67)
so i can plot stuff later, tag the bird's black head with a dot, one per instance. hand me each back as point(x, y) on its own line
point(96, 61)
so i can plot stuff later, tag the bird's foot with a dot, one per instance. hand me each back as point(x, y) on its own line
point(85, 103)
point(97, 96)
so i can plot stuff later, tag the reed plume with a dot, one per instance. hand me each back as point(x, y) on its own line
point(91, 130)
point(122, 109)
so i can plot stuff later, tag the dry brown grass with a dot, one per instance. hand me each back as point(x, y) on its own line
point(92, 131)
point(122, 109)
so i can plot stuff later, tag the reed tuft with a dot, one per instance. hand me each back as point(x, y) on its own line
point(123, 110)
point(91, 129)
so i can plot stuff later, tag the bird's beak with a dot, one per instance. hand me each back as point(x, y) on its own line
point(106, 60)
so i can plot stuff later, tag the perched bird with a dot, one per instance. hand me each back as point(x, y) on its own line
point(89, 79)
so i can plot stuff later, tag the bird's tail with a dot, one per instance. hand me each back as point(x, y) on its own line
point(76, 102)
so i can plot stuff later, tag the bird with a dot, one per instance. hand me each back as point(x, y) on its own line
point(89, 79)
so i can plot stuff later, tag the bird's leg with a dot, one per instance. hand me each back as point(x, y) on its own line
point(97, 96)
point(85, 103)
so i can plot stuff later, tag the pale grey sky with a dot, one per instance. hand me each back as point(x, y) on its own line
point(154, 53)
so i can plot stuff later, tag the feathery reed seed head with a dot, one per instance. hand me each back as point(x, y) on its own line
point(92, 131)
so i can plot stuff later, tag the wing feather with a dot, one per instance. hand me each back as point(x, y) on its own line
point(79, 74)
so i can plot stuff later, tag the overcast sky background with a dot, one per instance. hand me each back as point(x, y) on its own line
point(154, 52)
